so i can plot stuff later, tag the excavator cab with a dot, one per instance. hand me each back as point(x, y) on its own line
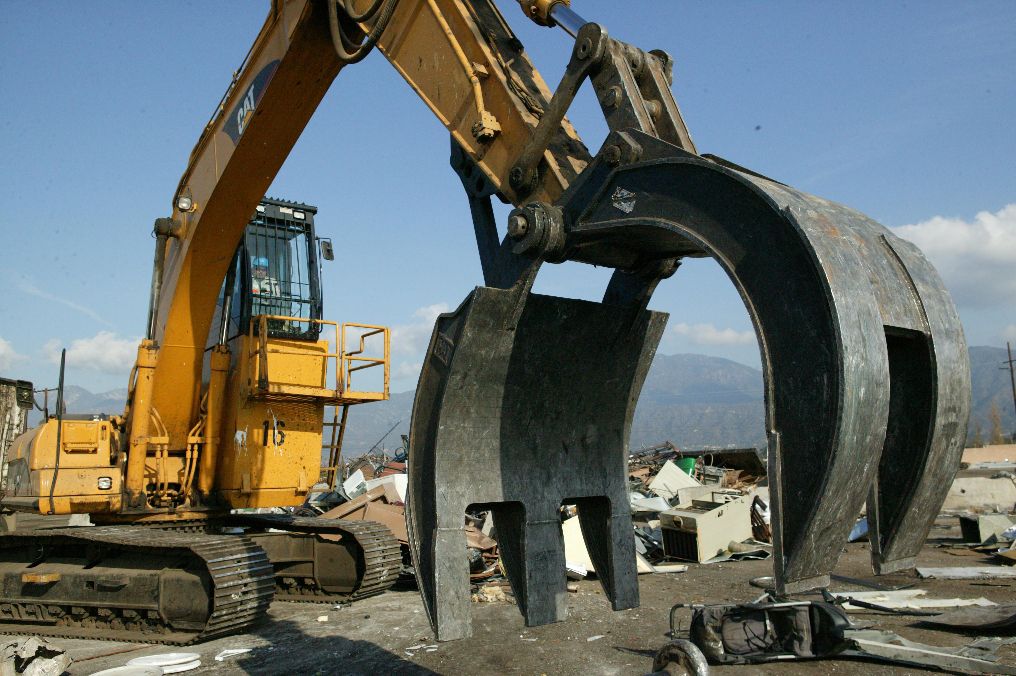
point(276, 274)
point(276, 363)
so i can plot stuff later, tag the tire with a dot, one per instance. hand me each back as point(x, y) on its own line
point(680, 658)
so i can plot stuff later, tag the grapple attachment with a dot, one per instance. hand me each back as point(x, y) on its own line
point(526, 401)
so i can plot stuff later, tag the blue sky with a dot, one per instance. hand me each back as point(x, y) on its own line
point(903, 111)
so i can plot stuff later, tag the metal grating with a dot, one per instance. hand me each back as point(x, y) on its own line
point(680, 544)
point(288, 288)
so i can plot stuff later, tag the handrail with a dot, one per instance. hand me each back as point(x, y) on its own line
point(346, 363)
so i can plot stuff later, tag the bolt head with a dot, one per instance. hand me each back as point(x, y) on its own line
point(518, 226)
point(611, 98)
point(612, 155)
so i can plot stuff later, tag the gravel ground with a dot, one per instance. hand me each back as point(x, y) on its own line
point(382, 635)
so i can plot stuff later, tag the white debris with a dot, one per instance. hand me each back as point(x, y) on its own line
point(594, 638)
point(913, 599)
point(231, 652)
point(37, 656)
point(170, 663)
point(669, 480)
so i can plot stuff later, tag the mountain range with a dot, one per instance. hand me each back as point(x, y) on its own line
point(692, 400)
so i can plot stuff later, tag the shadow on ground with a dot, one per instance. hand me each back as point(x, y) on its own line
point(293, 651)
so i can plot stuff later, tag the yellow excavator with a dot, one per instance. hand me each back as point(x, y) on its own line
point(867, 385)
point(165, 561)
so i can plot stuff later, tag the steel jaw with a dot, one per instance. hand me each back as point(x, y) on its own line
point(525, 401)
point(518, 411)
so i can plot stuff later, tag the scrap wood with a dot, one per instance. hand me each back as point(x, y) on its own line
point(371, 506)
point(967, 572)
point(902, 599)
point(477, 540)
point(346, 508)
point(491, 593)
point(640, 474)
point(890, 647)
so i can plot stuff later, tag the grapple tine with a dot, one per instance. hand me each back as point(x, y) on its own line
point(928, 415)
point(521, 417)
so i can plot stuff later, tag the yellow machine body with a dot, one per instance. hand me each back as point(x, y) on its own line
point(89, 475)
point(269, 444)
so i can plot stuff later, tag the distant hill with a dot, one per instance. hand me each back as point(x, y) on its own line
point(689, 399)
point(697, 401)
point(990, 384)
point(79, 400)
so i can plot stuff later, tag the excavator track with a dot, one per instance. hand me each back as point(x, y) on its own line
point(123, 583)
point(370, 566)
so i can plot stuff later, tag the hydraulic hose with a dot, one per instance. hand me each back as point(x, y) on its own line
point(343, 45)
point(366, 14)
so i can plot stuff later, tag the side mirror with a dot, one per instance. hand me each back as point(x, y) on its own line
point(326, 249)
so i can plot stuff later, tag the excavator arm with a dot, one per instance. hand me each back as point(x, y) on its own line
point(867, 383)
point(463, 61)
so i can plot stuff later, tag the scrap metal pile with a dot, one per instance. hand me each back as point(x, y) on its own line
point(687, 506)
point(983, 502)
point(977, 523)
point(701, 506)
point(714, 508)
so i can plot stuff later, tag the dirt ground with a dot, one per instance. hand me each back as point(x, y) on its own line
point(375, 636)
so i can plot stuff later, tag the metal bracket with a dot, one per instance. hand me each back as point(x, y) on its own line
point(632, 86)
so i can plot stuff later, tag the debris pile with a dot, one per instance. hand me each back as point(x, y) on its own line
point(981, 507)
point(983, 500)
point(771, 630)
point(700, 506)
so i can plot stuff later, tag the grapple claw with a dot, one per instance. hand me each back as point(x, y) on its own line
point(864, 361)
point(519, 417)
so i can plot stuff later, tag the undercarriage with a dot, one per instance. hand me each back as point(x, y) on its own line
point(182, 585)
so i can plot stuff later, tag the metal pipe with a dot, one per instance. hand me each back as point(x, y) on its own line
point(156, 288)
point(59, 430)
point(567, 19)
point(214, 416)
point(1012, 374)
point(141, 411)
point(227, 305)
point(486, 125)
point(164, 229)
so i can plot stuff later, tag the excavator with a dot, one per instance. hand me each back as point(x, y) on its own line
point(166, 561)
point(867, 383)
